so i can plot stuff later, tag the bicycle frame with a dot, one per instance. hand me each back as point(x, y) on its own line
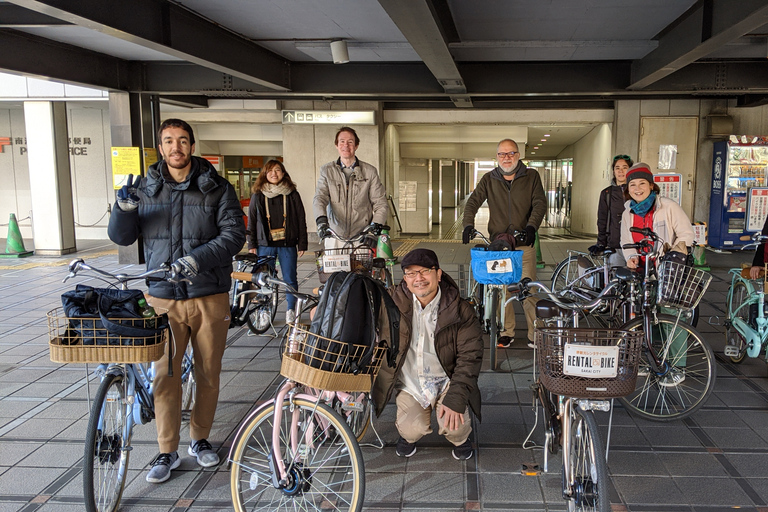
point(755, 338)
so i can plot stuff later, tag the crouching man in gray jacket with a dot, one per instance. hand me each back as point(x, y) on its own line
point(189, 216)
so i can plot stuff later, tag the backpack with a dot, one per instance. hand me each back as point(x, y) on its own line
point(349, 314)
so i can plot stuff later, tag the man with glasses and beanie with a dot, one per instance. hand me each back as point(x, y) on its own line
point(441, 351)
point(516, 202)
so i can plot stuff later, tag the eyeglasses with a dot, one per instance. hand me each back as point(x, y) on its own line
point(510, 154)
point(423, 272)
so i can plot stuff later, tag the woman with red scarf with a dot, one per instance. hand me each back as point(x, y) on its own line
point(646, 209)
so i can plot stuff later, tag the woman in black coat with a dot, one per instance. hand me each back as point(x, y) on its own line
point(609, 210)
point(276, 223)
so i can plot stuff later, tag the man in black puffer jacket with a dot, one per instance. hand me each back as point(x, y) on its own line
point(188, 215)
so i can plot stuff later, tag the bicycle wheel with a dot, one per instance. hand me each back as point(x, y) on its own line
point(736, 309)
point(586, 488)
point(188, 383)
point(325, 472)
point(105, 463)
point(357, 413)
point(263, 309)
point(687, 382)
point(494, 328)
point(565, 273)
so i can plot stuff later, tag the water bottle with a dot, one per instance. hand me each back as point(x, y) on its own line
point(148, 313)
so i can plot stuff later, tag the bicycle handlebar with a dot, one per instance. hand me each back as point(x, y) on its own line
point(523, 289)
point(264, 279)
point(173, 274)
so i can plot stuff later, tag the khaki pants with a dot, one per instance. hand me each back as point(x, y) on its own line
point(529, 304)
point(414, 422)
point(204, 322)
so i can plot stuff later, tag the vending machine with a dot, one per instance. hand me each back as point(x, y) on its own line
point(739, 190)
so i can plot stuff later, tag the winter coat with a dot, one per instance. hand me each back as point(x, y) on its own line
point(610, 208)
point(511, 205)
point(295, 224)
point(350, 208)
point(199, 217)
point(458, 344)
point(669, 222)
point(759, 259)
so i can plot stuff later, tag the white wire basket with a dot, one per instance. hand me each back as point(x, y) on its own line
point(681, 286)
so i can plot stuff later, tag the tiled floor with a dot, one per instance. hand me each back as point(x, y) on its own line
point(714, 460)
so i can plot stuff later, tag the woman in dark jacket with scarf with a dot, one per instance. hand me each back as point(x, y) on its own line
point(609, 211)
point(276, 223)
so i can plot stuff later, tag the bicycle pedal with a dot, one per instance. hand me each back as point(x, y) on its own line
point(351, 405)
point(731, 351)
point(530, 470)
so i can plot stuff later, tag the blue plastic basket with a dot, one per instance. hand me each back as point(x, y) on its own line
point(496, 267)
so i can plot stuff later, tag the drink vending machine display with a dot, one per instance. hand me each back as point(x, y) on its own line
point(739, 190)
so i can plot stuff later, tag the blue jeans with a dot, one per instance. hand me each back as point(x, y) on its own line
point(287, 256)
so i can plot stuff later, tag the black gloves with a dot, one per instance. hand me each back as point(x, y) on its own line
point(322, 227)
point(127, 199)
point(530, 235)
point(466, 236)
point(596, 249)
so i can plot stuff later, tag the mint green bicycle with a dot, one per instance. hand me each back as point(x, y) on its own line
point(746, 326)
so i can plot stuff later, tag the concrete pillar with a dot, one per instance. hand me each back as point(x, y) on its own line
point(448, 183)
point(53, 220)
point(133, 120)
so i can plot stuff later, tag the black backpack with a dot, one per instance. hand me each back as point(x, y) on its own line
point(350, 315)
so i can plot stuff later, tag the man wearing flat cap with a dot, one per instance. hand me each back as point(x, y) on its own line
point(440, 356)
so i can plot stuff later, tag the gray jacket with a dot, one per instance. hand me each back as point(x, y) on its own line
point(200, 217)
point(350, 208)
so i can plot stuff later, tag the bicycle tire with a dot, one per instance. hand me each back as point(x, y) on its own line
point(105, 461)
point(493, 329)
point(736, 299)
point(654, 401)
point(257, 322)
point(561, 277)
point(339, 485)
point(188, 383)
point(588, 487)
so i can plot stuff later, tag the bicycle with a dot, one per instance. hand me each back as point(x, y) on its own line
point(677, 372)
point(254, 305)
point(487, 293)
point(577, 371)
point(357, 255)
point(301, 449)
point(125, 394)
point(746, 324)
point(582, 270)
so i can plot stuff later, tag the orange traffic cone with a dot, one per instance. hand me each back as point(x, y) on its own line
point(14, 246)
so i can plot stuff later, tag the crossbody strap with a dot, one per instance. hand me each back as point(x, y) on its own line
point(285, 211)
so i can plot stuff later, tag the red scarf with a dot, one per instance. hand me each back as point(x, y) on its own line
point(642, 222)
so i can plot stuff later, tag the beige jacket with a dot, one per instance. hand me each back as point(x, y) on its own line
point(669, 222)
point(350, 208)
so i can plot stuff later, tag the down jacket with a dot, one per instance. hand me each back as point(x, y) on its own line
point(511, 205)
point(669, 222)
point(200, 217)
point(610, 208)
point(458, 343)
point(350, 208)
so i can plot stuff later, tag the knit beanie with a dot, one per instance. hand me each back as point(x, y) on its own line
point(640, 171)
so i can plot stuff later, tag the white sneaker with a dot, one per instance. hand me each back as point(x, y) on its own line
point(290, 316)
point(674, 377)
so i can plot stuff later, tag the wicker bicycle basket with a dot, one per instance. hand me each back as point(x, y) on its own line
point(681, 286)
point(360, 260)
point(550, 354)
point(308, 357)
point(83, 340)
